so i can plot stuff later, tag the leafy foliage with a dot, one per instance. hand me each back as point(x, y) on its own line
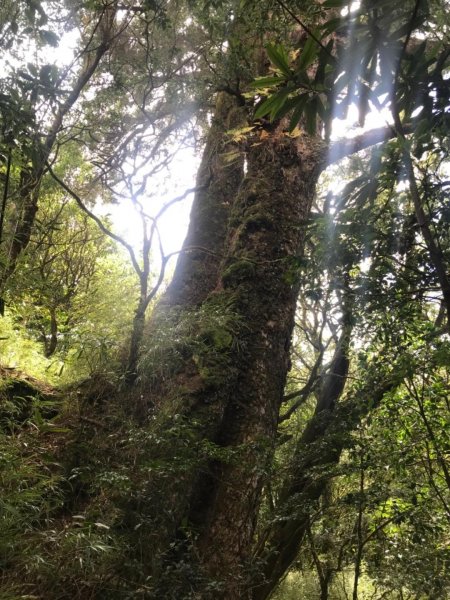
point(359, 58)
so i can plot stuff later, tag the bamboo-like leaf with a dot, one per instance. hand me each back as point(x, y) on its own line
point(265, 82)
point(298, 111)
point(240, 133)
point(311, 115)
point(279, 57)
point(331, 25)
point(288, 105)
point(308, 54)
point(324, 67)
point(272, 105)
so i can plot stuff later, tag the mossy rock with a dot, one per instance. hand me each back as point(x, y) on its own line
point(237, 272)
point(220, 338)
point(257, 222)
point(21, 394)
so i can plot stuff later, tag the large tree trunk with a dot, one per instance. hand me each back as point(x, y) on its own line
point(222, 399)
point(270, 215)
point(320, 444)
point(197, 269)
point(229, 395)
point(51, 342)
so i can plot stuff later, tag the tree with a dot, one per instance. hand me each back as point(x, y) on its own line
point(266, 230)
point(64, 263)
point(210, 414)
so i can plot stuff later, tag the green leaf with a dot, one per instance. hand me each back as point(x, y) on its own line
point(311, 116)
point(44, 74)
point(24, 75)
point(288, 105)
point(423, 128)
point(36, 6)
point(32, 69)
point(331, 25)
point(298, 111)
point(321, 109)
point(325, 65)
point(279, 57)
point(264, 82)
point(319, 88)
point(273, 104)
point(308, 54)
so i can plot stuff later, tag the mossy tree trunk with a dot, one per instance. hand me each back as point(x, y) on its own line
point(229, 394)
point(241, 255)
point(196, 272)
point(51, 342)
point(266, 232)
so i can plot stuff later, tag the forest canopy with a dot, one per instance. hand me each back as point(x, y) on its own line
point(264, 412)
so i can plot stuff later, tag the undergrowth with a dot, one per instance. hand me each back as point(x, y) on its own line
point(84, 485)
point(78, 503)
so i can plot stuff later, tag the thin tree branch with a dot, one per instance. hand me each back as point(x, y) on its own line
point(304, 393)
point(305, 27)
point(99, 222)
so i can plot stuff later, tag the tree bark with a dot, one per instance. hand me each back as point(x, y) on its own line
point(197, 269)
point(51, 343)
point(230, 398)
point(322, 443)
point(282, 542)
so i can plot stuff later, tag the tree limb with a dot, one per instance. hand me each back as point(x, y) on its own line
point(342, 148)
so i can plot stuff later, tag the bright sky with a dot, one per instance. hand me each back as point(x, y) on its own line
point(174, 222)
point(126, 221)
point(348, 128)
point(180, 177)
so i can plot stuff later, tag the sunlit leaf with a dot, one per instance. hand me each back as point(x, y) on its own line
point(272, 105)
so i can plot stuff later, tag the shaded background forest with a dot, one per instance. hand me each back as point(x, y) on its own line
point(355, 484)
